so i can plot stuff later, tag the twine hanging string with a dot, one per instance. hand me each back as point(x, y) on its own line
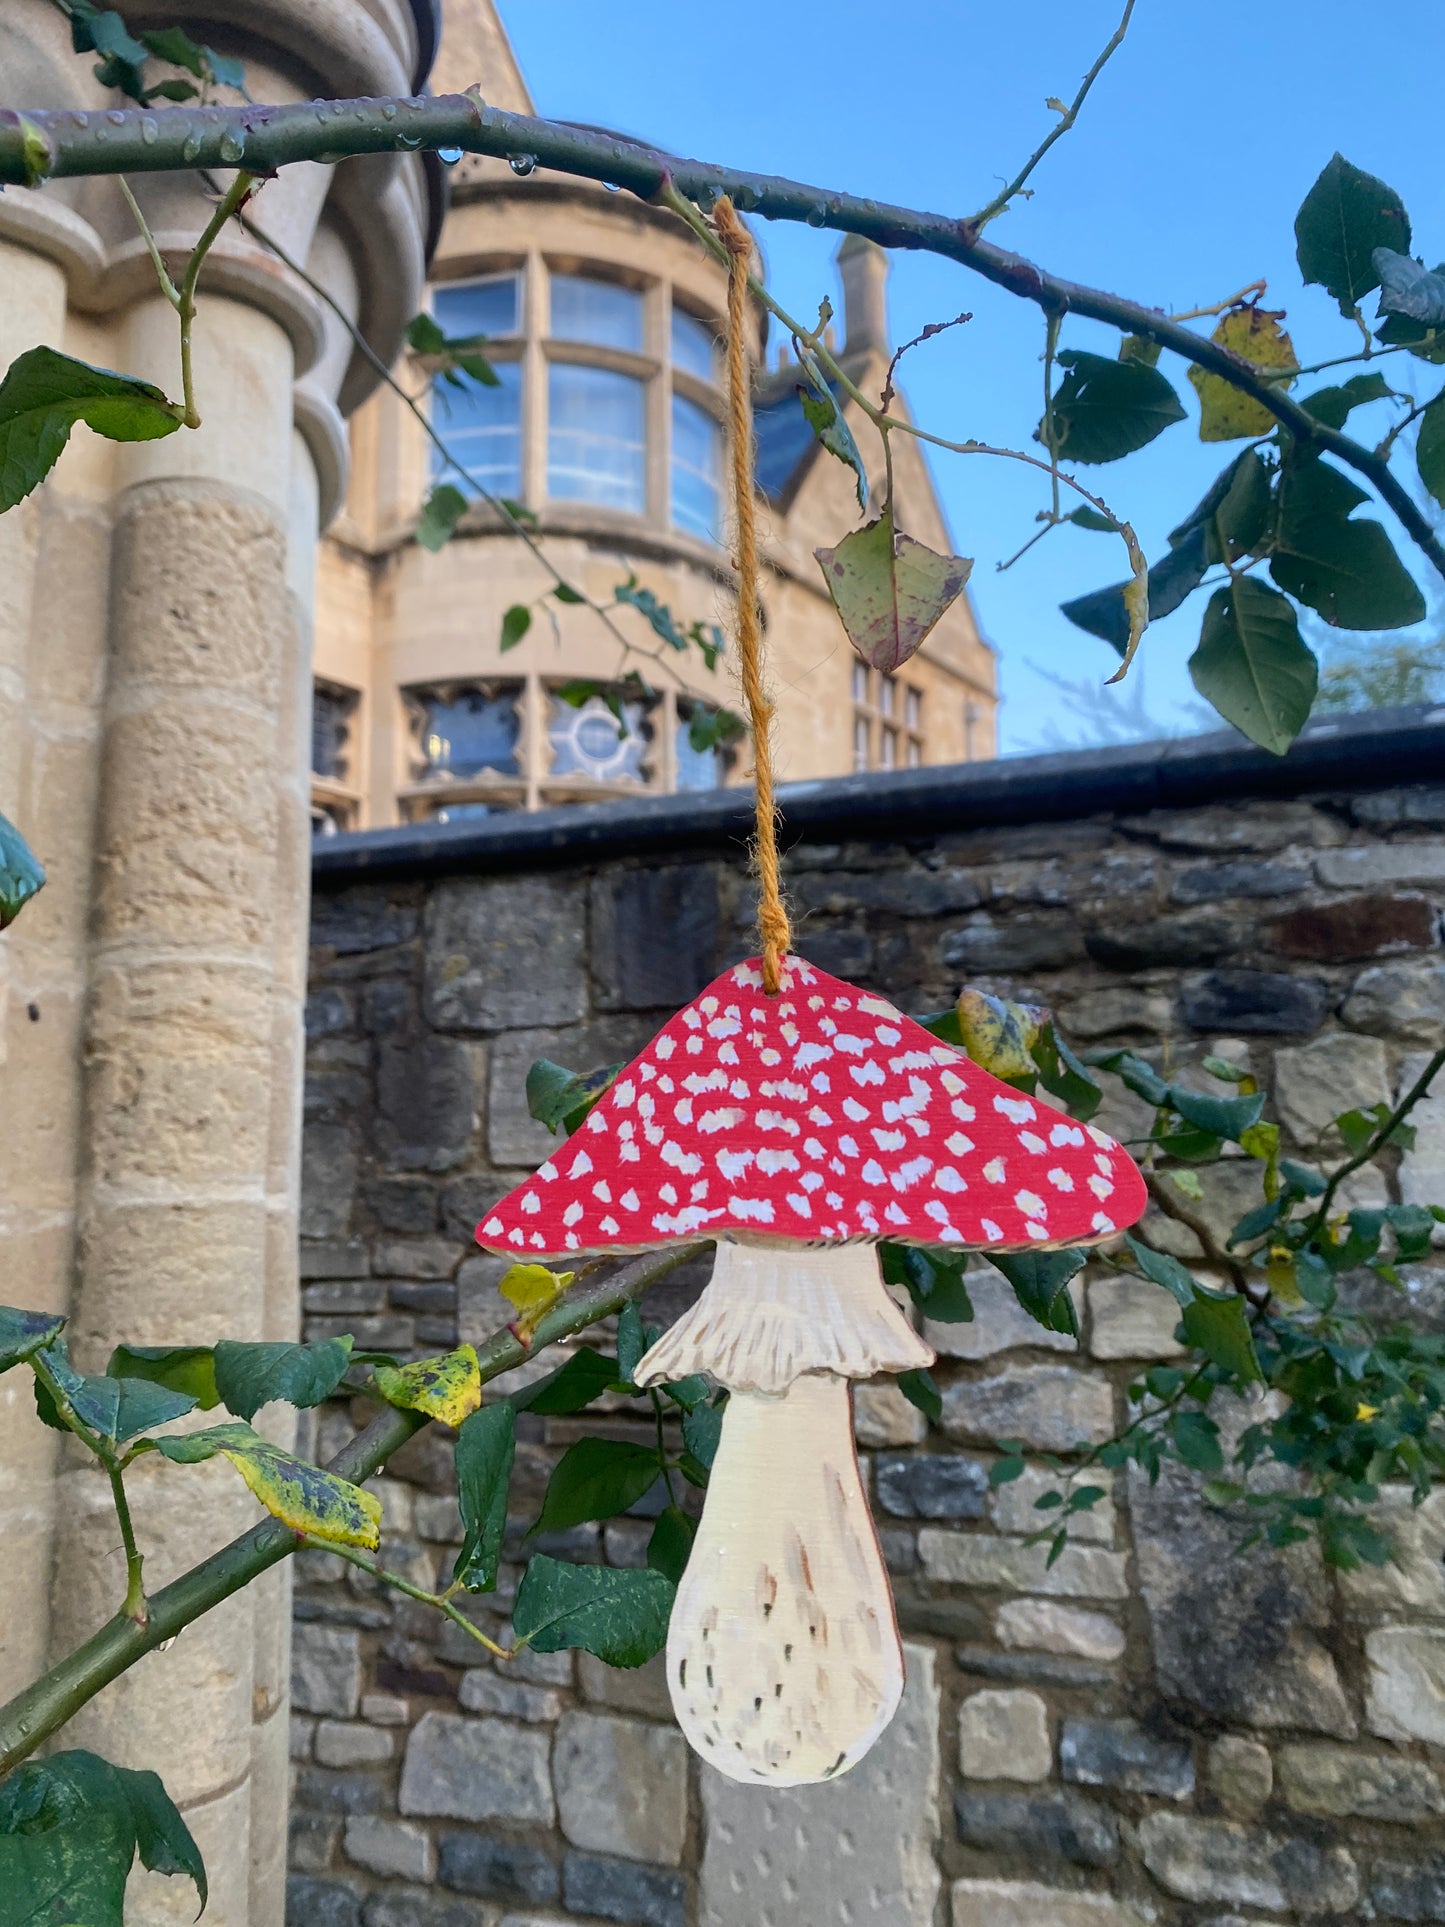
point(774, 931)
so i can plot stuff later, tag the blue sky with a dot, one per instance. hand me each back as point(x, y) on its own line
point(1178, 186)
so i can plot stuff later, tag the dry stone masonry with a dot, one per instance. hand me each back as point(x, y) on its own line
point(1151, 1732)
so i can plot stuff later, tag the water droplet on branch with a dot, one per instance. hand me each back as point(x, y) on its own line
point(522, 164)
point(449, 156)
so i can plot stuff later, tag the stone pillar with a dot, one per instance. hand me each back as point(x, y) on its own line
point(177, 1134)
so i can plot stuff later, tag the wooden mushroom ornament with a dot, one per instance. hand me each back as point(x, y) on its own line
point(798, 1129)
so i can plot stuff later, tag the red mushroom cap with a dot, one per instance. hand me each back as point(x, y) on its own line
point(819, 1115)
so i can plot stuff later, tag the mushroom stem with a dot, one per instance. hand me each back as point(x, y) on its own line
point(783, 1657)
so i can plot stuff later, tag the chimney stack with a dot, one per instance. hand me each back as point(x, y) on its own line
point(864, 268)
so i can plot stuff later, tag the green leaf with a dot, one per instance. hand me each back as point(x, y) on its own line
point(226, 70)
point(597, 1479)
point(1196, 1439)
point(302, 1496)
point(44, 394)
point(1106, 409)
point(425, 335)
point(250, 1376)
point(1161, 1269)
point(1429, 460)
point(660, 618)
point(619, 1616)
point(710, 728)
point(20, 875)
point(564, 592)
point(1346, 215)
point(1040, 1280)
point(1005, 1470)
point(919, 1389)
point(1172, 579)
point(1136, 1073)
point(1347, 571)
point(1064, 1076)
point(826, 420)
point(71, 1828)
point(560, 1098)
point(1087, 518)
point(23, 1333)
point(631, 1341)
point(933, 1278)
point(689, 1392)
point(1252, 666)
point(486, 1446)
point(889, 590)
point(1332, 406)
point(184, 1368)
point(1409, 288)
point(516, 621)
point(118, 1409)
point(702, 1431)
point(1255, 1223)
point(670, 1544)
point(176, 46)
point(1226, 1117)
point(1217, 1324)
point(448, 1388)
point(444, 508)
point(475, 365)
point(573, 1386)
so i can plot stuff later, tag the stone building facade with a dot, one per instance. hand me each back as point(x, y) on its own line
point(605, 426)
point(1151, 1731)
point(155, 640)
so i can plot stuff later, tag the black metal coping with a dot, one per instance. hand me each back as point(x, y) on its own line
point(1378, 749)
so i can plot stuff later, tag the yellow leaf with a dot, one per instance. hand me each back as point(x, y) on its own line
point(303, 1496)
point(999, 1034)
point(532, 1289)
point(447, 1388)
point(1279, 1274)
point(1254, 334)
point(1363, 1413)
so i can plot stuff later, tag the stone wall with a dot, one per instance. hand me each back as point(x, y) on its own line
point(1150, 1730)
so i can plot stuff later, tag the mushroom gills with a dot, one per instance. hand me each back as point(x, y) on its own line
point(772, 1312)
point(783, 1657)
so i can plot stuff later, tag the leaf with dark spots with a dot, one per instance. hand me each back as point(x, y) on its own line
point(302, 1496)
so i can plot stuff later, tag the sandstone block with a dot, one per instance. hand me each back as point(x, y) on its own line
point(622, 1787)
point(764, 1848)
point(1335, 1781)
point(1413, 1581)
point(1007, 1565)
point(1114, 1012)
point(483, 1691)
point(326, 1670)
point(1382, 864)
point(1024, 1903)
point(505, 952)
point(1407, 1683)
point(1241, 1772)
point(476, 1769)
point(366, 917)
point(883, 1416)
point(341, 1743)
point(999, 1323)
point(1400, 1000)
point(1204, 1860)
point(1051, 1407)
point(1039, 1625)
point(1315, 1082)
point(1014, 1507)
point(389, 1847)
point(514, 1137)
point(1004, 1735)
point(1132, 1318)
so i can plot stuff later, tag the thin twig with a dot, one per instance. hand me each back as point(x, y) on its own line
point(168, 287)
point(441, 1601)
point(1376, 1144)
point(926, 333)
point(232, 201)
point(1255, 290)
point(1169, 1204)
point(999, 204)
